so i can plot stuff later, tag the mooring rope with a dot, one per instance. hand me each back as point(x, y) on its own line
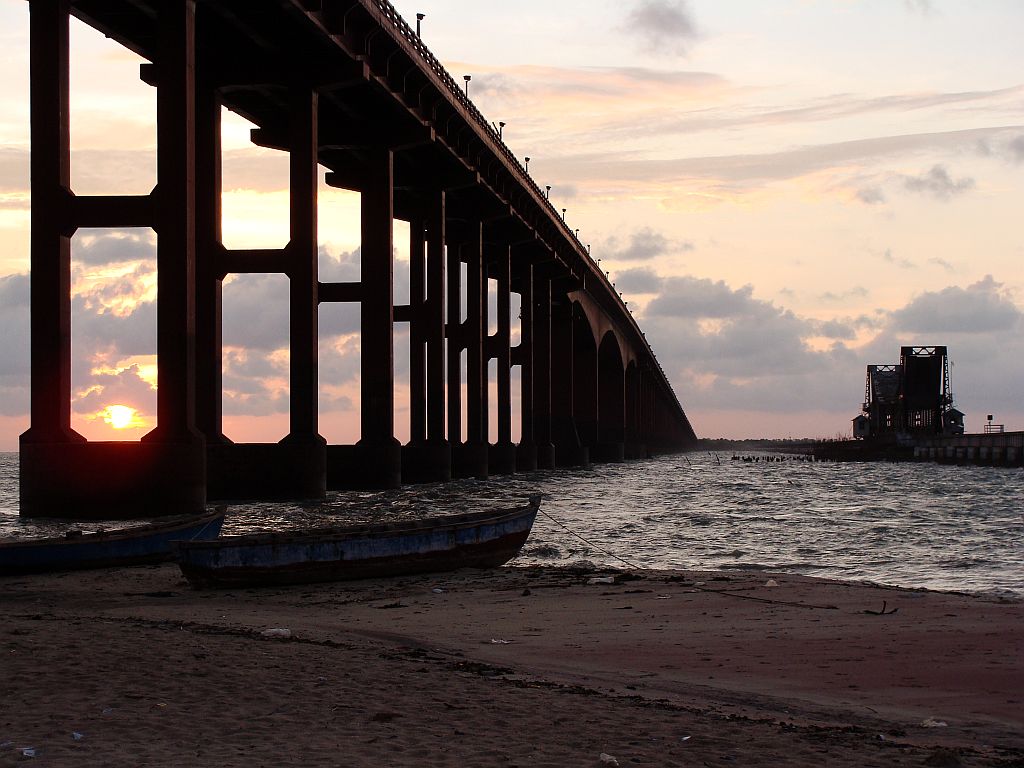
point(601, 549)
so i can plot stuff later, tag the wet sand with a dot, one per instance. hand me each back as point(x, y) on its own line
point(514, 667)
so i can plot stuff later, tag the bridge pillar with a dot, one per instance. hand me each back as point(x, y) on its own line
point(61, 474)
point(569, 448)
point(209, 279)
point(503, 452)
point(305, 450)
point(417, 347)
point(427, 457)
point(541, 359)
point(378, 455)
point(611, 402)
point(472, 456)
point(526, 451)
point(634, 448)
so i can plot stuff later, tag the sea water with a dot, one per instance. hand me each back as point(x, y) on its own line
point(910, 524)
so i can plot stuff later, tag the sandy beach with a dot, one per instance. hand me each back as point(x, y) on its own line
point(513, 667)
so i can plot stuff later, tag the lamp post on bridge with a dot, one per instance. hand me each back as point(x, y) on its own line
point(467, 78)
point(419, 18)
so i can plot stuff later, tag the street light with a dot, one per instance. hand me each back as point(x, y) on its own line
point(547, 191)
point(527, 165)
point(501, 127)
point(419, 18)
point(563, 214)
point(467, 78)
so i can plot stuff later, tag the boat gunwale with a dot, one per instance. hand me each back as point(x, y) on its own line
point(373, 530)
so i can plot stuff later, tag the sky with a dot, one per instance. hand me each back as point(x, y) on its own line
point(785, 191)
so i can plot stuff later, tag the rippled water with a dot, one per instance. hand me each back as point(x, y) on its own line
point(919, 525)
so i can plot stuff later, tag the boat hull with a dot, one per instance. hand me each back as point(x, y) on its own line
point(482, 540)
point(129, 546)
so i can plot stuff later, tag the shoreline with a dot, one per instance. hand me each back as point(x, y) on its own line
point(516, 666)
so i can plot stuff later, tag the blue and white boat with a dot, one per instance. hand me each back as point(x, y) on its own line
point(138, 545)
point(472, 540)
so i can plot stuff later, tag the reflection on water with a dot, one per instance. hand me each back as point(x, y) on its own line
point(921, 525)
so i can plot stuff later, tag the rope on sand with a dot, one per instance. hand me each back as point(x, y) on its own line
point(601, 549)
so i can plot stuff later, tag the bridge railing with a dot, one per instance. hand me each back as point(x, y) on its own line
point(416, 42)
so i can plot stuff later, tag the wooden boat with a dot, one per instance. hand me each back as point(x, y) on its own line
point(127, 546)
point(473, 540)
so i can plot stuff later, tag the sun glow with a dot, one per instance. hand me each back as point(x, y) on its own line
point(121, 416)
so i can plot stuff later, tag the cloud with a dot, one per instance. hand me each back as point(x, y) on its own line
point(114, 247)
point(644, 244)
point(125, 387)
point(889, 258)
point(14, 344)
point(942, 263)
point(771, 166)
point(938, 183)
point(922, 7)
point(983, 307)
point(856, 292)
point(256, 312)
point(821, 109)
point(664, 26)
point(871, 195)
point(1016, 148)
point(638, 280)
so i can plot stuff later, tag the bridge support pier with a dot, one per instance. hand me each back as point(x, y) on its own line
point(526, 450)
point(428, 457)
point(377, 458)
point(542, 383)
point(503, 452)
point(570, 450)
point(472, 455)
point(62, 475)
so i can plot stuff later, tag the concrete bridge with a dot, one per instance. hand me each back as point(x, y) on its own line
point(348, 85)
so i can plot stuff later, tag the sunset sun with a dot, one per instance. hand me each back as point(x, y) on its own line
point(119, 416)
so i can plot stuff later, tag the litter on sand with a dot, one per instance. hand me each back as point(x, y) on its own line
point(281, 632)
point(607, 759)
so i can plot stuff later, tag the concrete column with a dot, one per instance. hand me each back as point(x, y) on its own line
point(526, 451)
point(302, 263)
point(503, 452)
point(417, 349)
point(175, 222)
point(209, 280)
point(51, 228)
point(542, 370)
point(569, 449)
point(434, 322)
point(473, 455)
point(41, 490)
point(634, 445)
point(305, 451)
point(427, 457)
point(379, 453)
point(455, 334)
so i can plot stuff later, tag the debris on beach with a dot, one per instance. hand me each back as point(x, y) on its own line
point(931, 722)
point(601, 580)
point(771, 583)
point(882, 612)
point(607, 759)
point(278, 632)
